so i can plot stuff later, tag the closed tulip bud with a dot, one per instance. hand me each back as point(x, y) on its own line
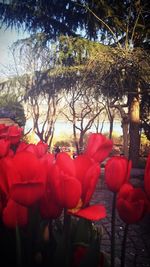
point(131, 204)
point(117, 172)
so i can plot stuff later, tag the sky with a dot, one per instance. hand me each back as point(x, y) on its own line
point(7, 37)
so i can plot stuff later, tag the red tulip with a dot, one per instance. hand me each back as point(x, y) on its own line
point(117, 172)
point(88, 173)
point(131, 204)
point(147, 177)
point(49, 208)
point(22, 146)
point(15, 215)
point(64, 183)
point(98, 147)
point(42, 149)
point(28, 176)
point(4, 147)
point(5, 180)
point(14, 134)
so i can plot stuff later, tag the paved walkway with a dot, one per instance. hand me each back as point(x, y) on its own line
point(138, 240)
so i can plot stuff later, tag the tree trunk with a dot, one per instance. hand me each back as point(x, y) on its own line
point(134, 131)
point(111, 127)
point(81, 142)
point(125, 128)
point(75, 138)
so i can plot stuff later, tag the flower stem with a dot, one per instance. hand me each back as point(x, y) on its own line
point(123, 249)
point(18, 246)
point(113, 218)
point(67, 224)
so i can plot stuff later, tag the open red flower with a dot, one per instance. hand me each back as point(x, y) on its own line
point(28, 177)
point(131, 204)
point(39, 149)
point(117, 172)
point(88, 173)
point(64, 183)
point(147, 177)
point(98, 147)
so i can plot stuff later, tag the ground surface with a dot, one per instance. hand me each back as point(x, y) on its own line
point(138, 241)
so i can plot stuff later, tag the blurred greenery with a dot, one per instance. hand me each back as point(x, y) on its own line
point(11, 108)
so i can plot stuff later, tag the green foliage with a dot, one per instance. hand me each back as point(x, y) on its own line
point(11, 108)
point(98, 20)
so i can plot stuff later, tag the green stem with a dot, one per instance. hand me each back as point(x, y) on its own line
point(123, 249)
point(67, 225)
point(113, 218)
point(18, 246)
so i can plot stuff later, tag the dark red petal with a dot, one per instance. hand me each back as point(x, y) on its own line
point(49, 209)
point(125, 191)
point(130, 212)
point(15, 214)
point(27, 194)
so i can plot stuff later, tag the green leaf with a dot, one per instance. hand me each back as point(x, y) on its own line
point(63, 253)
point(92, 256)
point(83, 232)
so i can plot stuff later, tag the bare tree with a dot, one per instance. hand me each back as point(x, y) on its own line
point(82, 112)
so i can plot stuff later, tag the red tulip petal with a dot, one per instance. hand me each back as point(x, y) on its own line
point(15, 214)
point(98, 147)
point(130, 212)
point(42, 148)
point(117, 171)
point(29, 167)
point(69, 192)
point(49, 209)
point(93, 213)
point(125, 191)
point(65, 163)
point(27, 194)
point(4, 147)
point(82, 164)
point(89, 183)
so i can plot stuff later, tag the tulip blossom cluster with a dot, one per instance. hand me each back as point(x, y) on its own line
point(132, 203)
point(30, 175)
point(33, 179)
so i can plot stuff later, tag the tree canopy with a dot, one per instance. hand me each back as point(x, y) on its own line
point(127, 21)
